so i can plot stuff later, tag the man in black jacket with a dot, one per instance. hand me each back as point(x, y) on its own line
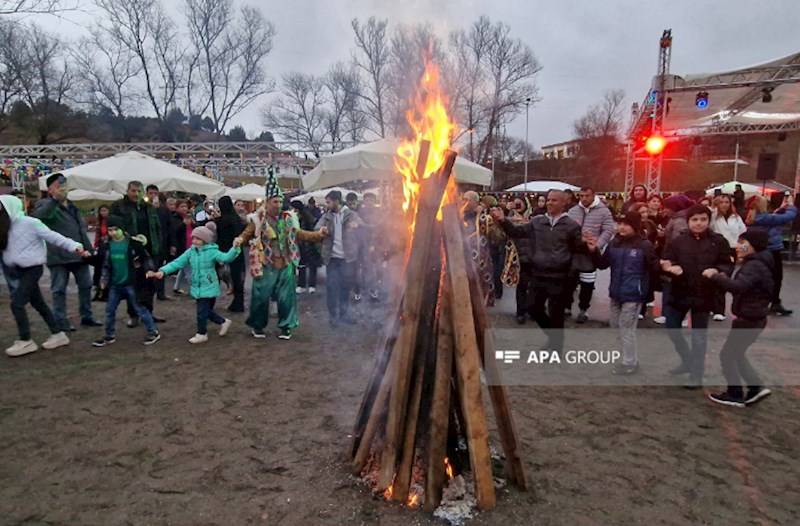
point(751, 285)
point(229, 226)
point(685, 259)
point(164, 221)
point(555, 239)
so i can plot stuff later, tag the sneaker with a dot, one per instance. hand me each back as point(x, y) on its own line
point(624, 370)
point(152, 338)
point(158, 319)
point(223, 329)
point(21, 347)
point(133, 322)
point(719, 317)
point(685, 323)
point(521, 320)
point(582, 317)
point(651, 304)
point(641, 316)
point(285, 334)
point(725, 398)
point(198, 338)
point(90, 323)
point(299, 290)
point(756, 394)
point(779, 310)
point(312, 290)
point(373, 295)
point(357, 297)
point(661, 320)
point(105, 340)
point(55, 341)
point(179, 292)
point(257, 333)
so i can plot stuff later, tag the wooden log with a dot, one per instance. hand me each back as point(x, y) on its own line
point(430, 196)
point(402, 479)
point(515, 471)
point(468, 362)
point(440, 405)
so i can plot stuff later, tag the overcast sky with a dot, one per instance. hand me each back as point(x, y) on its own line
point(584, 46)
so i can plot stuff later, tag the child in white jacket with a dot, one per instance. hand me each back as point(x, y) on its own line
point(24, 252)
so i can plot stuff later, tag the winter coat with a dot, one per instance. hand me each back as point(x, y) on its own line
point(258, 233)
point(694, 255)
point(597, 219)
point(730, 228)
point(553, 246)
point(773, 224)
point(351, 236)
point(178, 234)
point(203, 261)
point(67, 221)
point(139, 262)
point(633, 262)
point(27, 237)
point(229, 225)
point(132, 214)
point(751, 285)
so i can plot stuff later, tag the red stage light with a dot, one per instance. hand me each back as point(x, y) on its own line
point(655, 145)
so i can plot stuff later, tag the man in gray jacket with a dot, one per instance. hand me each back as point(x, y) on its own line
point(61, 216)
point(595, 219)
point(340, 251)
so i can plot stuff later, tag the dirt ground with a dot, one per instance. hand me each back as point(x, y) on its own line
point(245, 431)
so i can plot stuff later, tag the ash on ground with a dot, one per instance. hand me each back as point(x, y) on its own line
point(458, 501)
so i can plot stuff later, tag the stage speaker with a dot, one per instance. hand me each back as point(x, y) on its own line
point(767, 166)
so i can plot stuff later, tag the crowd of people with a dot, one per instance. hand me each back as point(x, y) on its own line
point(550, 247)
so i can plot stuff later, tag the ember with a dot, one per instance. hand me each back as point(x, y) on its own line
point(424, 395)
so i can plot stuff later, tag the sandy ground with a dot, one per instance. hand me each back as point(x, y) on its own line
point(245, 431)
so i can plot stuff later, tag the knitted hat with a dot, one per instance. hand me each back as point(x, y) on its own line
point(759, 239)
point(207, 233)
point(273, 188)
point(679, 202)
point(115, 222)
point(633, 219)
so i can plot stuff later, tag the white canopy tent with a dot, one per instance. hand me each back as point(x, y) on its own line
point(319, 195)
point(748, 188)
point(112, 174)
point(86, 195)
point(542, 186)
point(248, 192)
point(374, 161)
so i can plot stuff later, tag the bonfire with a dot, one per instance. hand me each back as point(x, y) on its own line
point(422, 421)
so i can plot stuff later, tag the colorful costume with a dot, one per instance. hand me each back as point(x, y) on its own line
point(274, 256)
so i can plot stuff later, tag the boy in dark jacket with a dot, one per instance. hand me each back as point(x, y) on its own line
point(752, 285)
point(632, 260)
point(685, 259)
point(126, 262)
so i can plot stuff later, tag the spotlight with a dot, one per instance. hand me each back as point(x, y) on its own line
point(766, 94)
point(701, 100)
point(655, 144)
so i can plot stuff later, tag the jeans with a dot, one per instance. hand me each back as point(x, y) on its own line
point(116, 293)
point(27, 291)
point(306, 276)
point(11, 279)
point(205, 312)
point(625, 318)
point(694, 358)
point(550, 291)
point(145, 292)
point(338, 283)
point(735, 365)
point(59, 279)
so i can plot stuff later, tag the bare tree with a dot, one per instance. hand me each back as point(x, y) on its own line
point(10, 88)
point(145, 30)
point(231, 52)
point(603, 119)
point(36, 7)
point(107, 72)
point(371, 57)
point(342, 90)
point(511, 71)
point(299, 114)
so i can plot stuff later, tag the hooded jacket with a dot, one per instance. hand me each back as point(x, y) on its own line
point(596, 218)
point(229, 224)
point(351, 236)
point(751, 285)
point(633, 261)
point(203, 260)
point(67, 221)
point(27, 237)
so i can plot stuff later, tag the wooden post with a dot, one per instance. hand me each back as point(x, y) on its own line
point(440, 406)
point(468, 362)
point(430, 196)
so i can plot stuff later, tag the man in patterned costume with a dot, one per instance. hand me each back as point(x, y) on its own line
point(273, 235)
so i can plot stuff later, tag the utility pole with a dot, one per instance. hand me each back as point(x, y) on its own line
point(527, 106)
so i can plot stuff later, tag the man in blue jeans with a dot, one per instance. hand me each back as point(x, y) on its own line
point(61, 216)
point(686, 258)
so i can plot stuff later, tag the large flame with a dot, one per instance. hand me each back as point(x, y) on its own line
point(429, 121)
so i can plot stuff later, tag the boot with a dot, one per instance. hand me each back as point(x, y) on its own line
point(779, 310)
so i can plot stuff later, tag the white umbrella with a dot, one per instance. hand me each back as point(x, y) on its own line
point(248, 192)
point(114, 173)
point(542, 186)
point(749, 189)
point(374, 161)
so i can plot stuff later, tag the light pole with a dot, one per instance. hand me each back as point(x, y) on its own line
point(527, 105)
